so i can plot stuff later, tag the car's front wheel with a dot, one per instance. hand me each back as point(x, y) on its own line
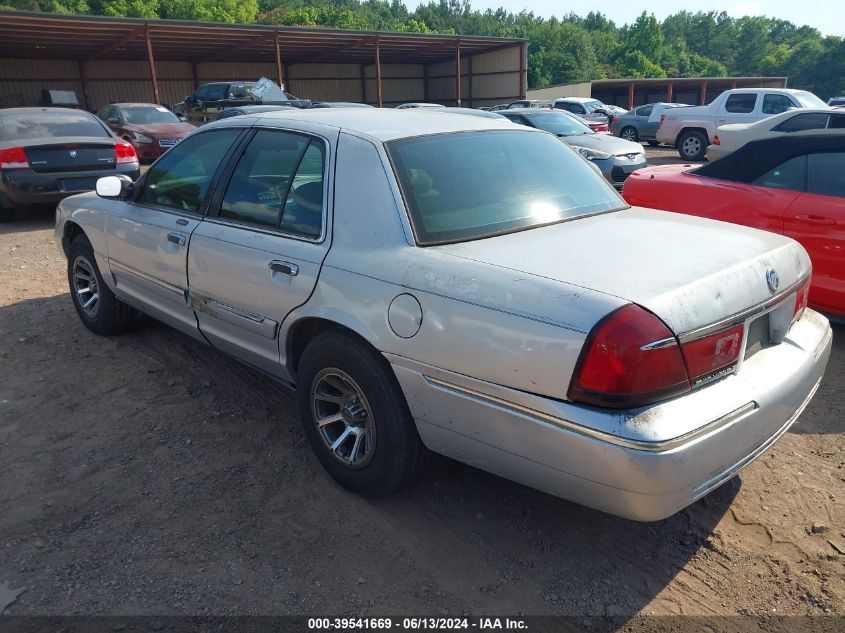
point(355, 416)
point(95, 303)
point(692, 145)
point(630, 134)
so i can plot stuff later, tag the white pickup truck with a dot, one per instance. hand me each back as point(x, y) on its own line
point(692, 129)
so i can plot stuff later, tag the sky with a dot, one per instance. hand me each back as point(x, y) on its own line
point(828, 16)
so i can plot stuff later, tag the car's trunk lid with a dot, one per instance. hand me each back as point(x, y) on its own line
point(70, 154)
point(691, 272)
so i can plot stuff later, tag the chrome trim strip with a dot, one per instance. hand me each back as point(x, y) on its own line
point(641, 445)
point(741, 317)
point(225, 307)
point(113, 263)
point(717, 480)
point(662, 343)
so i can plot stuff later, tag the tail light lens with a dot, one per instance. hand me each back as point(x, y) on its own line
point(13, 158)
point(716, 140)
point(630, 358)
point(124, 153)
point(662, 119)
point(801, 300)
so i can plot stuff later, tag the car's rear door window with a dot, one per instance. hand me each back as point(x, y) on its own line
point(472, 185)
point(741, 103)
point(801, 122)
point(791, 175)
point(837, 121)
point(181, 178)
point(824, 174)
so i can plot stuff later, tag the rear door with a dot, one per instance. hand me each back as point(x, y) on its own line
point(817, 220)
point(647, 127)
point(148, 237)
point(258, 254)
point(740, 107)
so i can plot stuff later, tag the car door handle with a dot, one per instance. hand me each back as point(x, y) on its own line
point(283, 267)
point(815, 219)
point(176, 238)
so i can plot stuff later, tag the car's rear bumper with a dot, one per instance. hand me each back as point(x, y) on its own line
point(643, 464)
point(715, 152)
point(24, 186)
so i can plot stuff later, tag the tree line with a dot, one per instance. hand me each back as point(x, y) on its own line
point(560, 50)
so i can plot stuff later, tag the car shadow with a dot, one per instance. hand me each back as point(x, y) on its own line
point(30, 219)
point(175, 464)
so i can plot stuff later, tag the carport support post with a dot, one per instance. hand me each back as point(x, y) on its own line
point(458, 73)
point(84, 82)
point(630, 95)
point(378, 73)
point(702, 93)
point(669, 92)
point(156, 94)
point(279, 72)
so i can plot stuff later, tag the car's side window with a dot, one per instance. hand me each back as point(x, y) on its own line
point(645, 110)
point(741, 103)
point(824, 174)
point(202, 93)
point(259, 184)
point(180, 180)
point(837, 121)
point(801, 122)
point(791, 175)
point(303, 210)
point(775, 104)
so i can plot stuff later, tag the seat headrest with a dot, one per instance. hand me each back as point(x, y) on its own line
point(309, 196)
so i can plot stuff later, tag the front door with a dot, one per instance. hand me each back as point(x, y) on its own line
point(147, 237)
point(258, 254)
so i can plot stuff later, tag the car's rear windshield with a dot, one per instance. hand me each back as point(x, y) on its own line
point(20, 126)
point(471, 185)
point(558, 123)
point(809, 100)
point(149, 114)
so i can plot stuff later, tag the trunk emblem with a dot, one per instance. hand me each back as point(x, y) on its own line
point(772, 279)
point(73, 153)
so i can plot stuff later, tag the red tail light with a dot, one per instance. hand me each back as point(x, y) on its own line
point(124, 153)
point(716, 140)
point(801, 300)
point(630, 358)
point(662, 119)
point(707, 355)
point(13, 158)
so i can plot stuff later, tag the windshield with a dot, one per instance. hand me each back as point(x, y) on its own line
point(558, 123)
point(592, 106)
point(18, 126)
point(472, 185)
point(140, 116)
point(809, 100)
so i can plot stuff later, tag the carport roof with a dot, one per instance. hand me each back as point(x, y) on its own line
point(50, 36)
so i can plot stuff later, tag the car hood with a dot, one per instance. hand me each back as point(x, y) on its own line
point(690, 271)
point(161, 129)
point(604, 143)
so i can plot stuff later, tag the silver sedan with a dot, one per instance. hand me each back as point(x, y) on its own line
point(427, 284)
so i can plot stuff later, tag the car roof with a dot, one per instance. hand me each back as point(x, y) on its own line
point(134, 105)
point(378, 123)
point(36, 109)
point(578, 99)
point(259, 108)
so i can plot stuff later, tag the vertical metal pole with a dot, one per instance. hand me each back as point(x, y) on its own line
point(630, 95)
point(156, 94)
point(458, 73)
point(523, 75)
point(378, 73)
point(469, 82)
point(84, 83)
point(702, 93)
point(669, 92)
point(195, 75)
point(733, 85)
point(279, 72)
point(363, 83)
point(425, 82)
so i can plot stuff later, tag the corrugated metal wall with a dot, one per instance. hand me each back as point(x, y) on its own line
point(496, 79)
point(569, 90)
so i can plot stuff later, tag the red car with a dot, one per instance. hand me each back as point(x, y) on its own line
point(789, 185)
point(152, 129)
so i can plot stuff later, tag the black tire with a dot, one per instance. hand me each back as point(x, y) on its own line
point(653, 143)
point(7, 214)
point(692, 145)
point(108, 315)
point(397, 454)
point(629, 133)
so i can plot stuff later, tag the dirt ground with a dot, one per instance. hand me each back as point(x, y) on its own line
point(147, 474)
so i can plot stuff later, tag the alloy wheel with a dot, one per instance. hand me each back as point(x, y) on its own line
point(85, 285)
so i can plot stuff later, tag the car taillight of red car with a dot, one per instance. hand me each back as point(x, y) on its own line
point(631, 358)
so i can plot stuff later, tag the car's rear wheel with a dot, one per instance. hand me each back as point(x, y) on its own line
point(692, 145)
point(355, 416)
point(95, 303)
point(653, 143)
point(630, 134)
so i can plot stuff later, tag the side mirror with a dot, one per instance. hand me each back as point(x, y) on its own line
point(114, 187)
point(112, 120)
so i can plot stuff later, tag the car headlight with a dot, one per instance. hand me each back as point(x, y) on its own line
point(142, 138)
point(592, 154)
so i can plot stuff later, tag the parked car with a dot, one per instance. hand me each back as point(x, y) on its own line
point(587, 108)
point(47, 154)
point(692, 129)
point(836, 101)
point(211, 98)
point(339, 104)
point(615, 157)
point(483, 114)
point(412, 106)
point(789, 185)
point(227, 113)
point(151, 129)
point(729, 138)
point(529, 103)
point(436, 286)
point(640, 124)
point(500, 106)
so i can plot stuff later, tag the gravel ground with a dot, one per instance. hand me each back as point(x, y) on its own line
point(147, 474)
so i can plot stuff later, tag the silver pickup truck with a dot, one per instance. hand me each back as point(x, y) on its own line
point(692, 129)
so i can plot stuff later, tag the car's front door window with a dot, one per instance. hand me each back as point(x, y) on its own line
point(180, 180)
point(775, 104)
point(824, 174)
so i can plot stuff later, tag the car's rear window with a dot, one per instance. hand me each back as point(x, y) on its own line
point(20, 126)
point(146, 115)
point(471, 185)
